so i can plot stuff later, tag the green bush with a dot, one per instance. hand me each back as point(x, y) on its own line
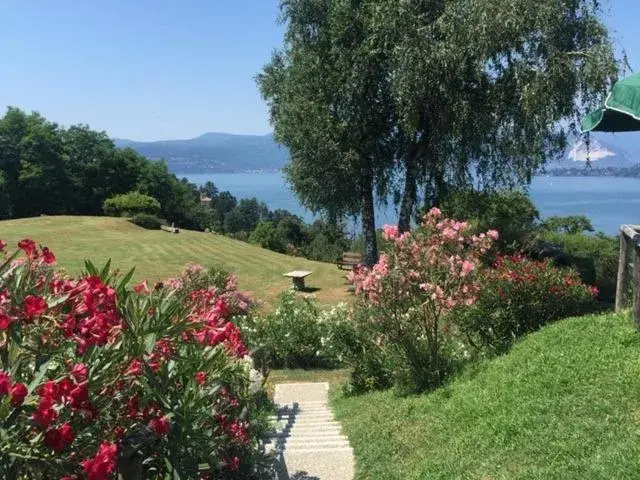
point(510, 212)
point(594, 256)
point(519, 295)
point(131, 204)
point(268, 236)
point(148, 221)
point(295, 335)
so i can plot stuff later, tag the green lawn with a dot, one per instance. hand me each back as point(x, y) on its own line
point(564, 404)
point(158, 255)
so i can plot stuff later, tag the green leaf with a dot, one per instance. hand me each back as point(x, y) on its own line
point(105, 270)
point(39, 376)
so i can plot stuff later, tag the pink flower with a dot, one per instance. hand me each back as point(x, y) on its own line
point(466, 268)
point(79, 372)
point(493, 234)
point(435, 212)
point(390, 232)
point(142, 288)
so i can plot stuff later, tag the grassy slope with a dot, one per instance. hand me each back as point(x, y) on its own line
point(564, 404)
point(158, 255)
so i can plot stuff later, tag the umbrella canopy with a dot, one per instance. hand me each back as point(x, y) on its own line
point(621, 111)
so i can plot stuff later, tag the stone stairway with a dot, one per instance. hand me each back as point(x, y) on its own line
point(310, 440)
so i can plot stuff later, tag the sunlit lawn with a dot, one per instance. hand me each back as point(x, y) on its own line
point(158, 255)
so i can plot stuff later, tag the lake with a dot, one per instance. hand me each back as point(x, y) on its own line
point(607, 201)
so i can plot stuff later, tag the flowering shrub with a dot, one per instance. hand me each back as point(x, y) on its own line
point(99, 378)
point(411, 295)
point(295, 335)
point(519, 295)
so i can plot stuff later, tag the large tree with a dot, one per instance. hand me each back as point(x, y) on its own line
point(329, 105)
point(421, 96)
point(486, 91)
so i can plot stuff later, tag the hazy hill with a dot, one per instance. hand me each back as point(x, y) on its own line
point(605, 150)
point(214, 153)
point(224, 152)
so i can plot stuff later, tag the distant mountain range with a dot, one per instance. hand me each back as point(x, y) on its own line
point(223, 152)
point(621, 150)
point(214, 153)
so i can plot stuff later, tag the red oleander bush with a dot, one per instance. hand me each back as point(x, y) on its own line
point(98, 377)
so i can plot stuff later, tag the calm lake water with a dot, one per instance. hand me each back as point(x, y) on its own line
point(607, 201)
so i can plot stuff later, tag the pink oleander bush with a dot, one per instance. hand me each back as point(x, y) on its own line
point(520, 295)
point(408, 302)
point(100, 378)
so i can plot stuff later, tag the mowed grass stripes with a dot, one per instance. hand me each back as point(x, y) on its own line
point(158, 255)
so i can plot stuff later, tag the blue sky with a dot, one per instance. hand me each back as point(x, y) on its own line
point(158, 69)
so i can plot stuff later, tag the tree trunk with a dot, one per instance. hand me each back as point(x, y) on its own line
point(369, 223)
point(409, 196)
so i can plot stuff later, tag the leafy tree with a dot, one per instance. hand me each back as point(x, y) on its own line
point(489, 89)
point(268, 236)
point(32, 164)
point(92, 163)
point(209, 190)
point(292, 229)
point(221, 205)
point(482, 96)
point(572, 224)
point(246, 216)
point(326, 89)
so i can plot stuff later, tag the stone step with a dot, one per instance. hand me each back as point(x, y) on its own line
point(318, 425)
point(313, 450)
point(311, 423)
point(317, 442)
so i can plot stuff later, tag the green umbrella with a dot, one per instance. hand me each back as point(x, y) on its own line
point(621, 111)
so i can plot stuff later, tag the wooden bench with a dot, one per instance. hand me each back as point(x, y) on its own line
point(298, 277)
point(349, 260)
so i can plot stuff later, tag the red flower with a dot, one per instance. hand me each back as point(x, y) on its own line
point(65, 387)
point(160, 426)
point(3, 244)
point(142, 287)
point(47, 256)
point(135, 368)
point(79, 372)
point(233, 464)
point(5, 384)
point(44, 413)
point(79, 395)
point(18, 393)
point(29, 248)
point(201, 378)
point(34, 306)
point(58, 438)
point(103, 464)
point(5, 321)
point(49, 390)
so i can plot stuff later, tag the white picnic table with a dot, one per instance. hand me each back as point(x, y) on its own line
point(298, 277)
